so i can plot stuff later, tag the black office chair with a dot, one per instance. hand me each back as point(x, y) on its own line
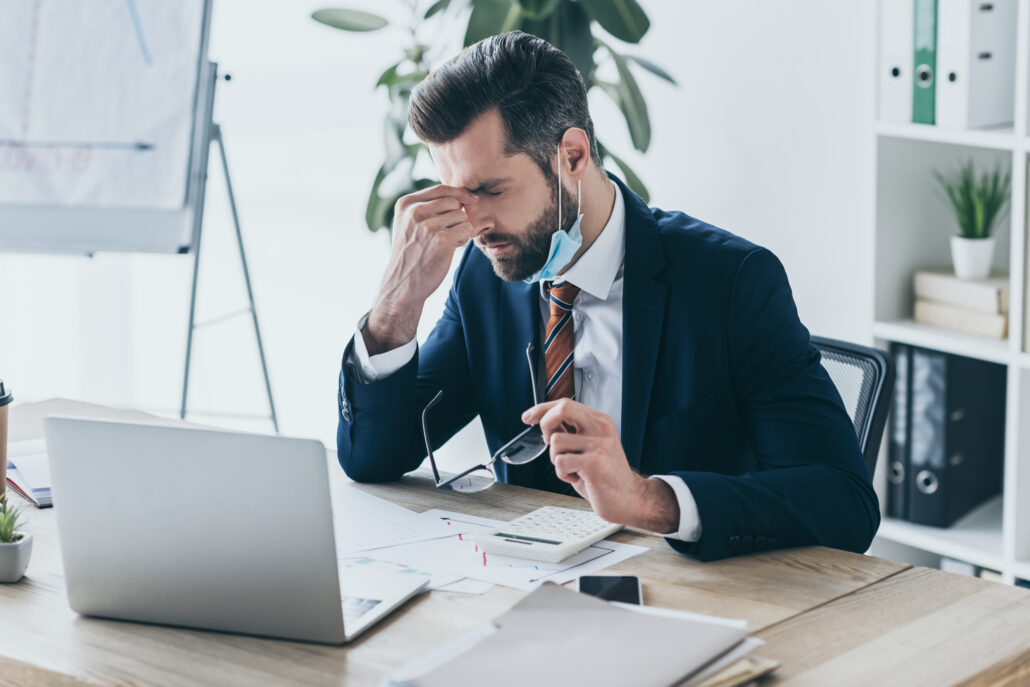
point(865, 379)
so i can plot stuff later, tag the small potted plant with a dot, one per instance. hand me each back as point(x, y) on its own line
point(15, 546)
point(978, 205)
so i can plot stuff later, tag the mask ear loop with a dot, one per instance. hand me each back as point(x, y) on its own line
point(579, 192)
point(559, 187)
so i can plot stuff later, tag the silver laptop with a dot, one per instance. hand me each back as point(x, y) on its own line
point(206, 529)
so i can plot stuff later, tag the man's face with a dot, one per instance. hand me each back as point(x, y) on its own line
point(517, 212)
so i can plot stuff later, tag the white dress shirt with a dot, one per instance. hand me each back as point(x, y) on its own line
point(597, 325)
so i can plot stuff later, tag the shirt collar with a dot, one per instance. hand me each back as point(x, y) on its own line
point(597, 269)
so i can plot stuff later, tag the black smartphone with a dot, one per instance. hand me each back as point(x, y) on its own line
point(624, 588)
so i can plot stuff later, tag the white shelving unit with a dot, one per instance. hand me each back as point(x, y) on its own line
point(911, 229)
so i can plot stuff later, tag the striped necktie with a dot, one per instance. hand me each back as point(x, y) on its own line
point(559, 342)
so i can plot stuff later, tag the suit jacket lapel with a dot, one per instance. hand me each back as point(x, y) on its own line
point(519, 315)
point(643, 311)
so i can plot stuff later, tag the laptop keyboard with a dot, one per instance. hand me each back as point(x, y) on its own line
point(354, 607)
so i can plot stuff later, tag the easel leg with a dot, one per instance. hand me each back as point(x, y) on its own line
point(191, 326)
point(216, 135)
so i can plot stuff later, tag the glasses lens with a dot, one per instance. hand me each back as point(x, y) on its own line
point(477, 480)
point(526, 447)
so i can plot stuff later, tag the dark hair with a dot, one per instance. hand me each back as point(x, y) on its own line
point(535, 87)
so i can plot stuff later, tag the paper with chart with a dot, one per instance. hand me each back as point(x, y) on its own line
point(444, 582)
point(28, 471)
point(97, 101)
point(364, 522)
point(458, 555)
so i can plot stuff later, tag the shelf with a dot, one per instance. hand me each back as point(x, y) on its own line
point(925, 336)
point(976, 538)
point(1021, 569)
point(999, 139)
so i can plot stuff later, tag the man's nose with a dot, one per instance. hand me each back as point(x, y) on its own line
point(480, 219)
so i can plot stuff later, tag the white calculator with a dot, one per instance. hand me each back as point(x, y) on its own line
point(547, 534)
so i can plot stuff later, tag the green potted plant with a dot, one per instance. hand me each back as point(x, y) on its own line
point(569, 25)
point(978, 204)
point(15, 545)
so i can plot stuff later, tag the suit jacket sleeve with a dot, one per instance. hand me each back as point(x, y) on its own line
point(379, 437)
point(810, 485)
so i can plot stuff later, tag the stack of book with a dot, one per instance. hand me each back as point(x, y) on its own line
point(979, 306)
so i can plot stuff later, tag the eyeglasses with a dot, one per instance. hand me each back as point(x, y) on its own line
point(524, 448)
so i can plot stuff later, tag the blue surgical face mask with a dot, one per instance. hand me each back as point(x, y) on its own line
point(564, 244)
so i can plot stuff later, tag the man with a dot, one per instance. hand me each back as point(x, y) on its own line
point(683, 395)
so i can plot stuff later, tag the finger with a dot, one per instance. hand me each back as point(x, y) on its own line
point(462, 195)
point(533, 415)
point(446, 220)
point(421, 212)
point(569, 466)
point(563, 442)
point(459, 234)
point(582, 419)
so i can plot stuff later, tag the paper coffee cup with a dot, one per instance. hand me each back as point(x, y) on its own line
point(5, 401)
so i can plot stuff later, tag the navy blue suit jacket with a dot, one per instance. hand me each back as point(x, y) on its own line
point(721, 387)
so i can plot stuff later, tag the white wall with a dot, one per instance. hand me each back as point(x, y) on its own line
point(768, 136)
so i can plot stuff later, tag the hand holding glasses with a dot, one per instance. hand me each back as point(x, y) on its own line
point(524, 448)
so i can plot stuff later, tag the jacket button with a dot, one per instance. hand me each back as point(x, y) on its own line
point(746, 542)
point(733, 542)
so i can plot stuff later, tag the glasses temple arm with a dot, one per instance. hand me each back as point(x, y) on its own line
point(532, 372)
point(425, 434)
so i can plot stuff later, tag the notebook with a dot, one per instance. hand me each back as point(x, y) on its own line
point(28, 471)
point(577, 639)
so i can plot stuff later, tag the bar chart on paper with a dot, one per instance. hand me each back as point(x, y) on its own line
point(97, 101)
point(459, 555)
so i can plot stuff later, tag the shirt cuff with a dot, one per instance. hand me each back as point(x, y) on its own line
point(372, 368)
point(690, 519)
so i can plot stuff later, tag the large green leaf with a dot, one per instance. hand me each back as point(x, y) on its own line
point(624, 19)
point(348, 19)
point(538, 9)
point(438, 6)
point(375, 213)
point(491, 17)
point(631, 102)
point(388, 77)
point(393, 142)
point(632, 180)
point(653, 68)
point(568, 29)
point(575, 38)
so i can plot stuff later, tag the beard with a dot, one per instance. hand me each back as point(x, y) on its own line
point(531, 246)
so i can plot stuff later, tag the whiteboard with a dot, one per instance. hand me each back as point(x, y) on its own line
point(104, 123)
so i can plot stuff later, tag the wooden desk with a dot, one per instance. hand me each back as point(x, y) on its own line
point(784, 595)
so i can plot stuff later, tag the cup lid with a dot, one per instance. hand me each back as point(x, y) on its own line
point(5, 394)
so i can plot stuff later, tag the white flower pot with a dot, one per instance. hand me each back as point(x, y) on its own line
point(14, 559)
point(972, 258)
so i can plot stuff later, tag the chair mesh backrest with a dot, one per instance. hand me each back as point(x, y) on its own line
point(854, 378)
